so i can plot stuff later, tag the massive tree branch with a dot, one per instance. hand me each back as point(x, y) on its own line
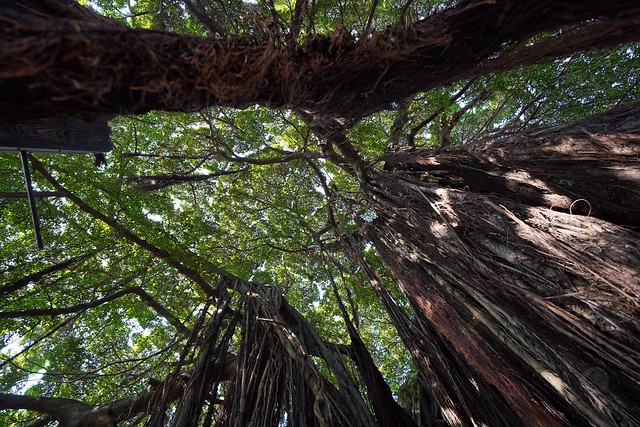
point(64, 410)
point(589, 167)
point(59, 66)
point(523, 298)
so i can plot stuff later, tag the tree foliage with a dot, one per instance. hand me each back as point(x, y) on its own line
point(325, 213)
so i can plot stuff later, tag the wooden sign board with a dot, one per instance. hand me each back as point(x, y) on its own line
point(56, 135)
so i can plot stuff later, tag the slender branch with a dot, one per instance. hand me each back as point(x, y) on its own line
point(164, 156)
point(23, 195)
point(227, 153)
point(205, 17)
point(296, 21)
point(331, 218)
point(271, 7)
point(629, 91)
point(297, 155)
point(429, 119)
point(331, 133)
point(448, 125)
point(144, 296)
point(157, 182)
point(372, 12)
point(404, 13)
point(130, 365)
point(21, 283)
point(36, 312)
point(290, 251)
point(38, 340)
point(402, 117)
point(496, 111)
point(388, 411)
point(162, 311)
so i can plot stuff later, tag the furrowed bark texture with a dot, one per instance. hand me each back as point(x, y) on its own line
point(587, 168)
point(512, 284)
point(57, 65)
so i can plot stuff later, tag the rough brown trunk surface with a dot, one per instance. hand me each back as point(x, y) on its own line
point(513, 284)
point(70, 65)
point(441, 369)
point(587, 167)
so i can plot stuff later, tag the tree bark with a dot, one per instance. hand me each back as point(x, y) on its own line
point(510, 281)
point(64, 64)
point(587, 168)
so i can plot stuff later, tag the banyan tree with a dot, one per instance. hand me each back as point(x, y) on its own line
point(325, 214)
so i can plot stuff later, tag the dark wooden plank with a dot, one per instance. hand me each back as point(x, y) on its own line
point(58, 135)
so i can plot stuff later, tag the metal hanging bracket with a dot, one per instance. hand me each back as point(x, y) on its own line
point(24, 156)
point(57, 136)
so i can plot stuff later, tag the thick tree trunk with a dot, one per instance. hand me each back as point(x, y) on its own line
point(86, 67)
point(515, 288)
